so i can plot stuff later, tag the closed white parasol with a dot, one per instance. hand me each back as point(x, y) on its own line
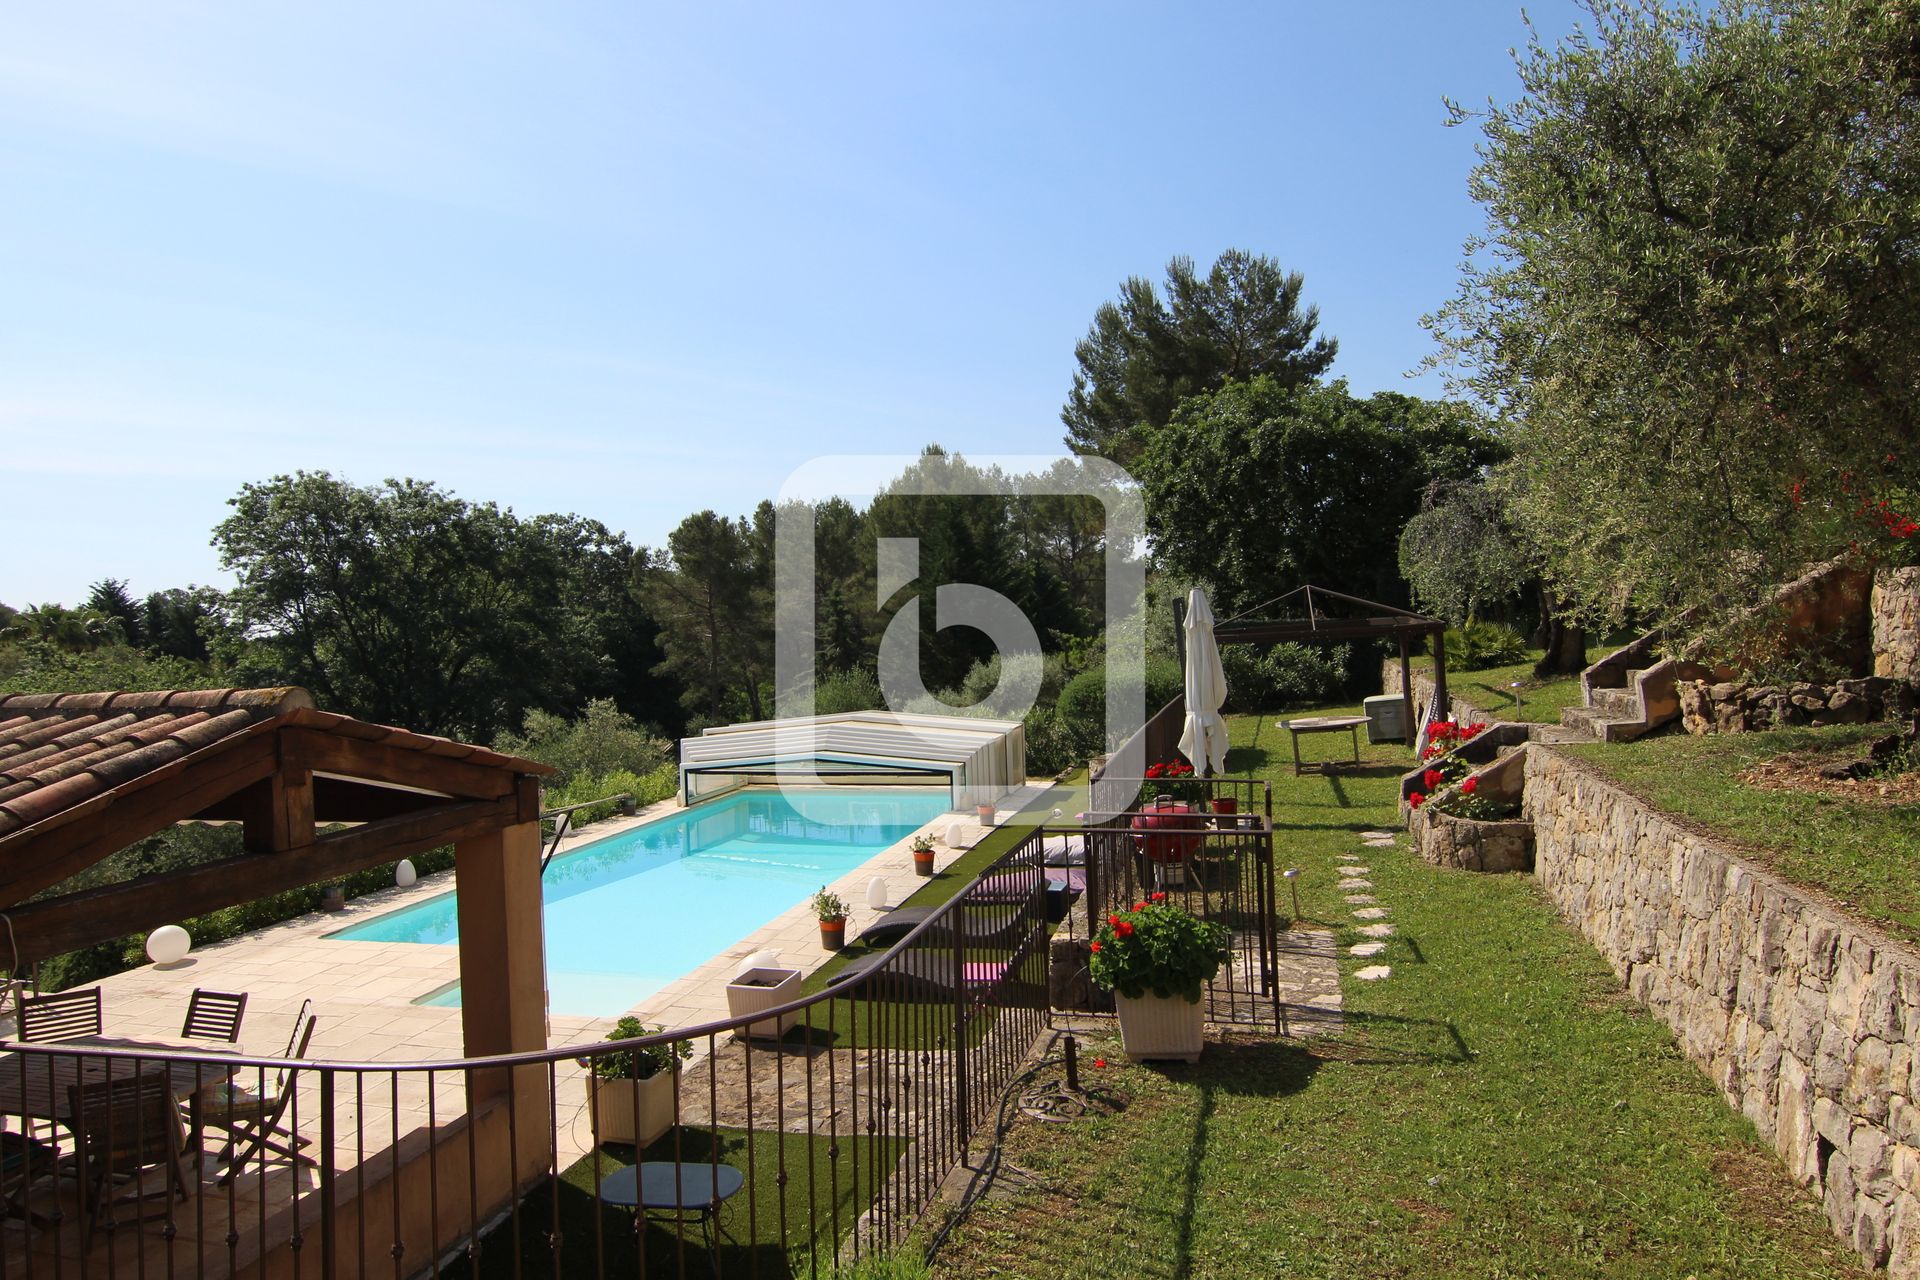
point(1203, 736)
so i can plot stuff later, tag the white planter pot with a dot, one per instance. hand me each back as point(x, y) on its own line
point(1153, 1027)
point(758, 989)
point(634, 1111)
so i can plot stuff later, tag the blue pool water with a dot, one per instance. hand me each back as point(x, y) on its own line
point(628, 914)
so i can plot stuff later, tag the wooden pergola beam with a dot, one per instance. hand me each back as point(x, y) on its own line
point(58, 925)
point(320, 752)
point(38, 858)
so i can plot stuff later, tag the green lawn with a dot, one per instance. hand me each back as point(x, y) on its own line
point(766, 1228)
point(1540, 700)
point(1495, 1108)
point(1867, 856)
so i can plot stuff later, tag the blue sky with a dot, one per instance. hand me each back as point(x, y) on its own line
point(633, 263)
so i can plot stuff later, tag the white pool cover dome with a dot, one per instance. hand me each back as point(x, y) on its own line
point(980, 760)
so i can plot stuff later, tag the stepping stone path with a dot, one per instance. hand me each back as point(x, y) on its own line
point(1364, 908)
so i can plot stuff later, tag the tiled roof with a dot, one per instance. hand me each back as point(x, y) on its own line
point(58, 750)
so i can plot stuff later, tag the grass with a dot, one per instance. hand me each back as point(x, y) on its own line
point(1494, 1109)
point(1541, 701)
point(1866, 856)
point(597, 1239)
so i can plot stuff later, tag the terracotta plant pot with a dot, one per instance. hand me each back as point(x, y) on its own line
point(833, 934)
point(986, 815)
point(923, 863)
point(333, 898)
point(1226, 804)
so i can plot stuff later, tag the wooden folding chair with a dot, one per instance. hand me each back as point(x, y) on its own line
point(122, 1128)
point(214, 1015)
point(61, 1015)
point(250, 1120)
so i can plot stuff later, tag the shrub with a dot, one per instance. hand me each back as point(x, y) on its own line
point(1049, 747)
point(1274, 677)
point(843, 691)
point(1082, 707)
point(603, 740)
point(1474, 646)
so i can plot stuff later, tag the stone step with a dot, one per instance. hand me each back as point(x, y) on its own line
point(1584, 719)
point(1616, 704)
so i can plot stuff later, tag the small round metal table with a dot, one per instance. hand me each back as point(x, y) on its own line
point(1322, 724)
point(677, 1192)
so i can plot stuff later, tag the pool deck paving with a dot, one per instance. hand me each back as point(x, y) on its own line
point(364, 993)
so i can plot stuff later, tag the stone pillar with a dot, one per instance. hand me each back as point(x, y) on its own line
point(502, 949)
point(1896, 623)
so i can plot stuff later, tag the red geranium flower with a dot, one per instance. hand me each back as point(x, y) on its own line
point(1470, 786)
point(1124, 929)
point(1114, 918)
point(1139, 906)
point(1155, 770)
point(1433, 778)
point(1099, 1062)
point(1416, 799)
point(1157, 897)
point(1093, 946)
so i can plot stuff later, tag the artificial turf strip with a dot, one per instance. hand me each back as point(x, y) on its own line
point(1864, 856)
point(750, 1242)
point(1494, 1109)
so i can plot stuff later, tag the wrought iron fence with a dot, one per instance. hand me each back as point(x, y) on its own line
point(794, 1139)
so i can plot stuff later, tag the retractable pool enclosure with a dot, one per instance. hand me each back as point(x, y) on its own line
point(979, 760)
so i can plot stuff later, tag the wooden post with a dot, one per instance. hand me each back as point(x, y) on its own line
point(1443, 708)
point(277, 811)
point(1406, 686)
point(502, 953)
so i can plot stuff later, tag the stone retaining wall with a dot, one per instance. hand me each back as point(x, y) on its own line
point(1449, 841)
point(1805, 1020)
point(1732, 707)
point(1896, 623)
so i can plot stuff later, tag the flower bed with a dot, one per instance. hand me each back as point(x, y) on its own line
point(1472, 844)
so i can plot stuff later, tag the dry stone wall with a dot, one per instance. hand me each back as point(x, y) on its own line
point(1732, 707)
point(1806, 1021)
point(1896, 623)
point(1450, 841)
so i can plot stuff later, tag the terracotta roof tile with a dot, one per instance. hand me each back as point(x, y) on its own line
point(59, 751)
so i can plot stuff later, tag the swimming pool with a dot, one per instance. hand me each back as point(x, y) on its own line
point(628, 914)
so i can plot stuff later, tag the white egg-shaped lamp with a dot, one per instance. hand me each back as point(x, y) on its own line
point(764, 959)
point(1058, 812)
point(877, 893)
point(168, 944)
point(953, 835)
point(404, 875)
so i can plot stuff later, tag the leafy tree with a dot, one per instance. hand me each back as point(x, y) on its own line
point(1143, 355)
point(710, 591)
point(1460, 554)
point(175, 622)
point(1697, 300)
point(398, 603)
point(1257, 488)
point(110, 599)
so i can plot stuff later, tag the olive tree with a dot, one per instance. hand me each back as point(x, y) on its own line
point(1696, 305)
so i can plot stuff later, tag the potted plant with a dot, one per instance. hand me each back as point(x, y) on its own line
point(333, 896)
point(923, 855)
point(1155, 959)
point(831, 909)
point(986, 812)
point(632, 1089)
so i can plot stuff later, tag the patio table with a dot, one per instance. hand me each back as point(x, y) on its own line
point(34, 1085)
point(1322, 724)
point(679, 1192)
